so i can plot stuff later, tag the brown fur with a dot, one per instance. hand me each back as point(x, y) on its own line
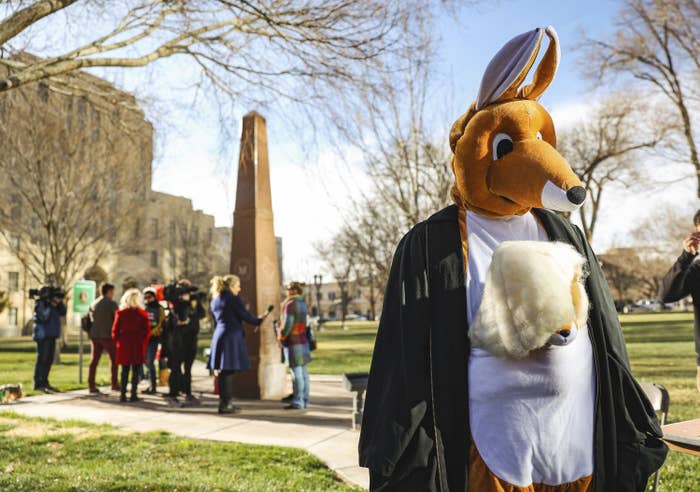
point(482, 480)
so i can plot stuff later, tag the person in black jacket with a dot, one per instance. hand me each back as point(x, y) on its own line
point(181, 330)
point(683, 279)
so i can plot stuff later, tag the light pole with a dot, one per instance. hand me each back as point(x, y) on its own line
point(318, 280)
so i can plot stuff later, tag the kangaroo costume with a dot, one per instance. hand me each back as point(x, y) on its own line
point(444, 414)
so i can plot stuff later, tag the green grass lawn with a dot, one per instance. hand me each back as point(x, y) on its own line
point(43, 454)
point(341, 351)
point(18, 354)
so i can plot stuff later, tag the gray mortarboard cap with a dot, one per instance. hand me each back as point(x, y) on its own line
point(509, 67)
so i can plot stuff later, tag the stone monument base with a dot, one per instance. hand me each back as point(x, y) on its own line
point(273, 381)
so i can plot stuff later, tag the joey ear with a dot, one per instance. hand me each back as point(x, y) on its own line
point(544, 74)
point(458, 126)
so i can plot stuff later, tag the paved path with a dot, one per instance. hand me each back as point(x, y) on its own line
point(324, 429)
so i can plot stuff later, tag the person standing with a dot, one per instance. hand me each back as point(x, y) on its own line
point(130, 332)
point(293, 336)
point(229, 353)
point(683, 279)
point(47, 328)
point(156, 320)
point(190, 311)
point(102, 313)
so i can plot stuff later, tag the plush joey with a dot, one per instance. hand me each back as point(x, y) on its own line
point(533, 297)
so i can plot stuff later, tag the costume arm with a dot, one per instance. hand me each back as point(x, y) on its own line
point(603, 312)
point(677, 283)
point(395, 442)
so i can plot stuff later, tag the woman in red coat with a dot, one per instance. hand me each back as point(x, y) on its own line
point(130, 332)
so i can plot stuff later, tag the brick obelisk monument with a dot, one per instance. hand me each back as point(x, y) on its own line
point(254, 260)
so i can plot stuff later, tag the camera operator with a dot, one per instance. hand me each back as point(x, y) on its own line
point(182, 327)
point(47, 328)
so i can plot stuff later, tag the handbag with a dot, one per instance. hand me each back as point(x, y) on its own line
point(311, 337)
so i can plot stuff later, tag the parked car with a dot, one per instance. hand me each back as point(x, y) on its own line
point(648, 306)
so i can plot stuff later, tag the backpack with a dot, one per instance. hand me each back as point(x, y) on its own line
point(86, 323)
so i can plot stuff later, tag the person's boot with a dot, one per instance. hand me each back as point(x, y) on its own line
point(134, 396)
point(226, 406)
point(122, 390)
point(224, 395)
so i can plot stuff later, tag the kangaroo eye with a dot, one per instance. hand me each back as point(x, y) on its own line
point(502, 145)
point(539, 136)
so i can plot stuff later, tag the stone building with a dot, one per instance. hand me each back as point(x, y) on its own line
point(160, 236)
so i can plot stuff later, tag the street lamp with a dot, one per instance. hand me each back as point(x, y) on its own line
point(318, 280)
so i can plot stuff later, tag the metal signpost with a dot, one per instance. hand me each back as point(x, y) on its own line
point(83, 296)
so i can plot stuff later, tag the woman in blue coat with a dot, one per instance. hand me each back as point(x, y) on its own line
point(228, 349)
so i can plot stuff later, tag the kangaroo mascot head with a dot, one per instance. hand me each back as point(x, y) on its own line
point(505, 159)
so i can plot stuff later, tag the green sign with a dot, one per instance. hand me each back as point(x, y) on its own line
point(83, 295)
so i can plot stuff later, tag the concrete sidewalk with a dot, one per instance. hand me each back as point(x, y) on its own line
point(324, 429)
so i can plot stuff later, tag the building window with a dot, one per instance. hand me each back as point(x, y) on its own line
point(195, 234)
point(173, 260)
point(137, 229)
point(173, 231)
point(210, 235)
point(12, 315)
point(13, 281)
point(154, 259)
point(154, 228)
point(331, 296)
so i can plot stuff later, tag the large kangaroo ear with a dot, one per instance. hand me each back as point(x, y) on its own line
point(509, 67)
point(545, 70)
point(458, 126)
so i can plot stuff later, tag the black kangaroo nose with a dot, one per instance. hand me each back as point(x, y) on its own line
point(564, 333)
point(576, 195)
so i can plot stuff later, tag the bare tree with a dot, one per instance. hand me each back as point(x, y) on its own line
point(605, 147)
point(4, 300)
point(657, 43)
point(408, 163)
point(341, 265)
point(307, 51)
point(63, 175)
point(618, 267)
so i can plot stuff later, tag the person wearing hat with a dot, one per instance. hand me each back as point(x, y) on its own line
point(156, 319)
point(293, 336)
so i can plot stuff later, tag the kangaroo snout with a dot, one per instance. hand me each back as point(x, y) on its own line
point(555, 198)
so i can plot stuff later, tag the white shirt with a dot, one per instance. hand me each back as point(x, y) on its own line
point(531, 419)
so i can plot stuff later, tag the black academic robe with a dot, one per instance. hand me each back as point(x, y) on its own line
point(415, 430)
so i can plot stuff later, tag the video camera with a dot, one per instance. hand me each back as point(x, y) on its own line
point(46, 293)
point(172, 292)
